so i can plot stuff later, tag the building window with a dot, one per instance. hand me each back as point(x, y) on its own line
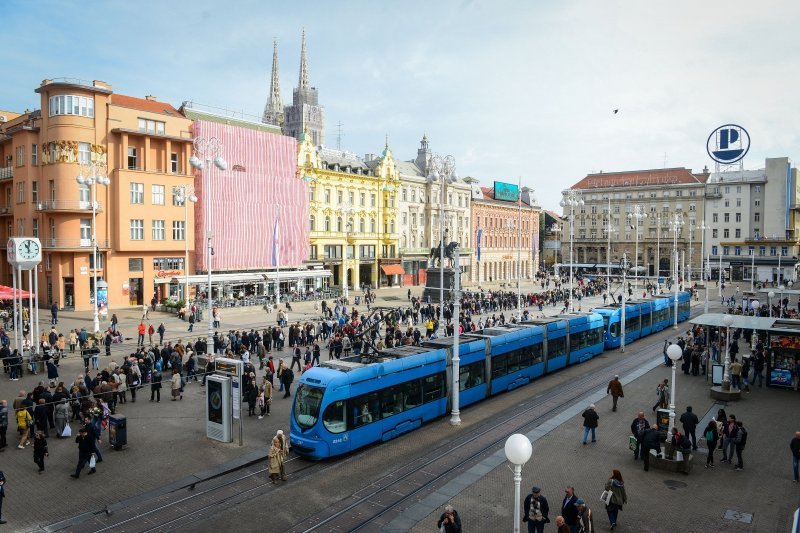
point(312, 225)
point(173, 163)
point(137, 229)
point(135, 264)
point(738, 202)
point(132, 158)
point(137, 193)
point(756, 203)
point(726, 217)
point(327, 196)
point(339, 224)
point(36, 227)
point(34, 191)
point(762, 250)
point(758, 188)
point(738, 233)
point(373, 200)
point(158, 194)
point(20, 156)
point(784, 251)
point(692, 207)
point(34, 154)
point(327, 223)
point(751, 250)
point(21, 192)
point(339, 197)
point(713, 250)
point(168, 263)
point(71, 105)
point(773, 251)
point(714, 233)
point(151, 126)
point(158, 230)
point(372, 225)
point(52, 228)
point(86, 231)
point(715, 218)
point(756, 217)
point(312, 254)
point(311, 191)
point(738, 217)
point(351, 198)
point(178, 230)
point(726, 233)
point(725, 250)
point(737, 250)
point(84, 153)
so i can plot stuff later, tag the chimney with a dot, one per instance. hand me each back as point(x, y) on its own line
point(150, 98)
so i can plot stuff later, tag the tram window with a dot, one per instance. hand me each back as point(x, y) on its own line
point(412, 394)
point(646, 320)
point(365, 409)
point(334, 417)
point(597, 336)
point(307, 404)
point(470, 376)
point(499, 366)
point(513, 361)
point(632, 323)
point(432, 388)
point(615, 329)
point(536, 354)
point(392, 401)
point(556, 347)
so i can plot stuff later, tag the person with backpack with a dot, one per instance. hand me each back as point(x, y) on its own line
point(711, 434)
point(682, 444)
point(740, 441)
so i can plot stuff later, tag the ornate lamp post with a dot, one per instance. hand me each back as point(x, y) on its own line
point(677, 224)
point(185, 196)
point(726, 376)
point(518, 450)
point(571, 198)
point(443, 170)
point(674, 353)
point(638, 215)
point(770, 296)
point(91, 175)
point(208, 150)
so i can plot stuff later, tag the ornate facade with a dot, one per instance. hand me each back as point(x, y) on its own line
point(353, 214)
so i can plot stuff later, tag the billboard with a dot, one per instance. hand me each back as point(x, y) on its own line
point(506, 191)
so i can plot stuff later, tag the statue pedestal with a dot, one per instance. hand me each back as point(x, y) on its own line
point(434, 284)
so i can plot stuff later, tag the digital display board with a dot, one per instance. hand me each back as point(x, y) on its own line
point(506, 191)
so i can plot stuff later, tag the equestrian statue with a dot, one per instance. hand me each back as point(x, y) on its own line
point(449, 253)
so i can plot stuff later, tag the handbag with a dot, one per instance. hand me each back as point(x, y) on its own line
point(632, 443)
point(605, 497)
point(67, 431)
point(93, 461)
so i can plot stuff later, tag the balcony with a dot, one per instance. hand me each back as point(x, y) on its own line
point(713, 195)
point(72, 244)
point(6, 173)
point(67, 205)
point(6, 210)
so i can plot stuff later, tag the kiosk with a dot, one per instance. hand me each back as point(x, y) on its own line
point(218, 408)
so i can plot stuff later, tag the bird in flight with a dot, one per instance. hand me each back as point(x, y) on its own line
point(616, 111)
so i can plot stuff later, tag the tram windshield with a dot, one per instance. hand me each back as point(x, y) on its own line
point(306, 405)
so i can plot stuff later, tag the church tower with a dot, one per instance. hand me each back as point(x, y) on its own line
point(423, 155)
point(273, 112)
point(305, 113)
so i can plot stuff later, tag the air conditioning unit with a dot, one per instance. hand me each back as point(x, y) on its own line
point(3, 118)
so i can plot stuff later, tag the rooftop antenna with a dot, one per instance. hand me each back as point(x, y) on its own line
point(339, 135)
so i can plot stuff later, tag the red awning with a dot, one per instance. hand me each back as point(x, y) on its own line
point(8, 293)
point(391, 270)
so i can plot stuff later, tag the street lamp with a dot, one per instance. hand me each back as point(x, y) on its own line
point(455, 415)
point(91, 175)
point(783, 288)
point(443, 170)
point(346, 211)
point(556, 228)
point(518, 450)
point(676, 223)
point(624, 266)
point(706, 276)
point(185, 195)
point(674, 353)
point(609, 228)
point(770, 296)
point(571, 198)
point(208, 150)
point(519, 251)
point(754, 305)
point(637, 214)
point(726, 376)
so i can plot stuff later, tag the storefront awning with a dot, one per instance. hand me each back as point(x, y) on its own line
point(391, 270)
point(739, 321)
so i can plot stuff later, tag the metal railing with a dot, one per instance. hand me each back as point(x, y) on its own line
point(72, 243)
point(66, 205)
point(6, 173)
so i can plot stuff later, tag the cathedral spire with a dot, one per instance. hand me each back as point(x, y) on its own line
point(303, 81)
point(273, 112)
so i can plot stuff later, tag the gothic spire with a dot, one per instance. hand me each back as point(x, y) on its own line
point(303, 81)
point(273, 111)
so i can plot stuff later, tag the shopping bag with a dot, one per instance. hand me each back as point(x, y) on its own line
point(632, 443)
point(67, 431)
point(605, 497)
point(93, 461)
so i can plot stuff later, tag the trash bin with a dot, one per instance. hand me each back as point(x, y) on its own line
point(117, 431)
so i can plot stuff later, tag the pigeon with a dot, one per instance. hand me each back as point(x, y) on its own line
point(616, 111)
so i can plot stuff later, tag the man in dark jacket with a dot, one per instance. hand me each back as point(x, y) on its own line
point(615, 389)
point(568, 509)
point(590, 418)
point(638, 427)
point(690, 421)
point(536, 511)
point(287, 376)
point(155, 386)
point(651, 440)
point(449, 522)
point(85, 449)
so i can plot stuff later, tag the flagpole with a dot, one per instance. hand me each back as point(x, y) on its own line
point(277, 264)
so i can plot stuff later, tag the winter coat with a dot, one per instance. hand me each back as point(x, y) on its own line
point(590, 418)
point(618, 495)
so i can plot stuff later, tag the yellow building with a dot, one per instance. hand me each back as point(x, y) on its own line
point(353, 214)
point(143, 147)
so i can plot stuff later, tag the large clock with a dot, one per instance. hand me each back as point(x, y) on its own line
point(29, 250)
point(24, 252)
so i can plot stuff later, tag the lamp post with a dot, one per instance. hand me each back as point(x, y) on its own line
point(770, 296)
point(571, 198)
point(185, 196)
point(658, 253)
point(783, 288)
point(91, 175)
point(689, 270)
point(518, 450)
point(726, 376)
point(519, 251)
point(674, 353)
point(455, 415)
point(637, 214)
point(208, 150)
point(677, 224)
point(443, 170)
point(556, 228)
point(754, 305)
point(708, 280)
point(609, 228)
point(346, 211)
point(624, 267)
point(702, 229)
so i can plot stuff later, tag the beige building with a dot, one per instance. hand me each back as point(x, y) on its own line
point(642, 202)
point(143, 146)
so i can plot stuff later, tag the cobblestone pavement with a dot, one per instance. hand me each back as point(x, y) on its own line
point(166, 441)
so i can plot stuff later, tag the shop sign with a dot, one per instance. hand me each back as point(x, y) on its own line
point(84, 271)
point(168, 273)
point(790, 343)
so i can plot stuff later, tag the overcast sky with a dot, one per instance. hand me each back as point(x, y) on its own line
point(512, 90)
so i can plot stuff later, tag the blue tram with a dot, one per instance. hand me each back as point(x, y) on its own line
point(642, 317)
point(348, 403)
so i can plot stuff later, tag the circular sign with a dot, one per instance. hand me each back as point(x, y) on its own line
point(216, 400)
point(728, 144)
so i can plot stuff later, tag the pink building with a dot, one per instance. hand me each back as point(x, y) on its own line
point(498, 241)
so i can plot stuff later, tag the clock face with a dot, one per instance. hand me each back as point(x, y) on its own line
point(28, 249)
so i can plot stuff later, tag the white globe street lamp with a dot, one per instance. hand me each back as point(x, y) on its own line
point(726, 376)
point(518, 450)
point(674, 353)
point(770, 296)
point(91, 175)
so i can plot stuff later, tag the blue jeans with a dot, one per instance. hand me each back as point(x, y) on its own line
point(535, 527)
point(612, 515)
point(758, 377)
point(796, 467)
point(586, 434)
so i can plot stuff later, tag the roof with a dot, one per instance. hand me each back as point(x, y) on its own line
point(553, 214)
point(342, 157)
point(151, 106)
point(641, 178)
point(409, 168)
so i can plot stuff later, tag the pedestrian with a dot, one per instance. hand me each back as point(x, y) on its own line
point(651, 440)
point(449, 522)
point(85, 444)
point(638, 427)
point(569, 512)
point(266, 396)
point(585, 520)
point(4, 424)
point(276, 460)
point(54, 313)
point(24, 424)
point(615, 389)
point(662, 395)
point(176, 383)
point(618, 497)
point(560, 523)
point(590, 418)
point(741, 442)
point(161, 331)
point(155, 386)
point(794, 446)
point(150, 331)
point(729, 430)
point(536, 510)
point(61, 417)
point(287, 376)
point(40, 450)
point(690, 421)
point(141, 329)
point(2, 495)
point(712, 438)
point(681, 443)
